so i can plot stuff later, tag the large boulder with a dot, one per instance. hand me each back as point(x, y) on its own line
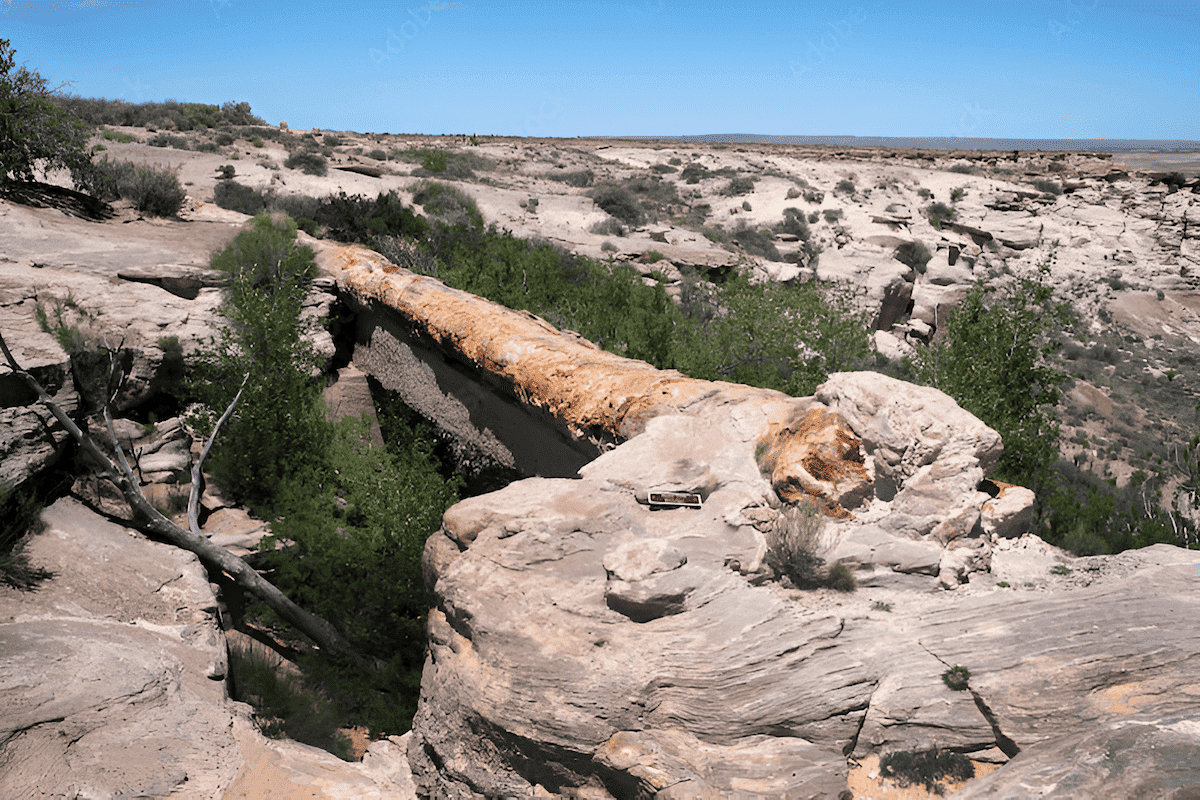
point(649, 653)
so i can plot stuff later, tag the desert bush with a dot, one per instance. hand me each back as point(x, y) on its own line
point(957, 678)
point(793, 193)
point(257, 142)
point(283, 704)
point(580, 177)
point(243, 199)
point(224, 139)
point(792, 544)
point(746, 206)
point(226, 172)
point(618, 202)
point(169, 140)
point(783, 337)
point(913, 254)
point(608, 247)
point(377, 154)
point(1047, 186)
point(694, 173)
point(832, 215)
point(756, 242)
point(123, 138)
point(662, 169)
point(20, 517)
point(965, 169)
point(845, 187)
point(182, 116)
point(451, 205)
point(333, 140)
point(738, 186)
point(152, 189)
point(939, 213)
point(841, 578)
point(813, 216)
point(309, 163)
point(813, 196)
point(609, 227)
point(957, 193)
point(927, 768)
point(924, 193)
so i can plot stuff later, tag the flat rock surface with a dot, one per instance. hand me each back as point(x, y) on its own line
point(112, 683)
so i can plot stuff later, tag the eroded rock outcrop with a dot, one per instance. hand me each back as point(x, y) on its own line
point(588, 643)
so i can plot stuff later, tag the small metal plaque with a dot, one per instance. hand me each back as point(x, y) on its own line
point(674, 500)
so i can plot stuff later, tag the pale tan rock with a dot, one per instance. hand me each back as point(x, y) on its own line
point(1008, 514)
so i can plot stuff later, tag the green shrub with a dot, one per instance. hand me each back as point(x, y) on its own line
point(123, 138)
point(694, 173)
point(939, 213)
point(309, 163)
point(224, 139)
point(792, 545)
point(451, 205)
point(619, 202)
point(226, 171)
point(20, 517)
point(738, 186)
point(779, 336)
point(662, 169)
point(333, 140)
point(377, 154)
point(832, 215)
point(913, 254)
point(153, 190)
point(279, 424)
point(580, 178)
point(609, 227)
point(756, 242)
point(845, 186)
point(841, 578)
point(924, 193)
point(608, 247)
point(957, 678)
point(813, 196)
point(169, 140)
point(997, 360)
point(257, 142)
point(283, 704)
point(964, 169)
point(927, 768)
point(243, 199)
point(434, 161)
point(1047, 186)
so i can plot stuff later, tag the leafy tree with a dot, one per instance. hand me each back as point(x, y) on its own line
point(34, 132)
point(996, 358)
point(279, 424)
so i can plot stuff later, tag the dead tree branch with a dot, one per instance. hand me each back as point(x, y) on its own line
point(149, 520)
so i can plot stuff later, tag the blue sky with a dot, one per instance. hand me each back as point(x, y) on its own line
point(1049, 69)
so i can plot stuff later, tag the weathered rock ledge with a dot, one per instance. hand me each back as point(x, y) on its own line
point(586, 644)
